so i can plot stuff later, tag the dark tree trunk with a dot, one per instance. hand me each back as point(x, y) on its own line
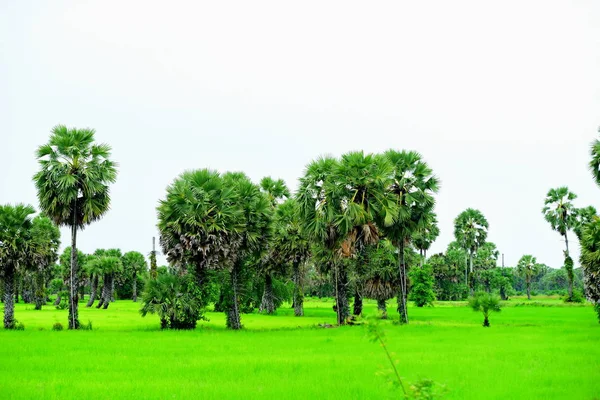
point(105, 294)
point(9, 297)
point(503, 295)
point(470, 280)
point(73, 296)
point(403, 295)
point(57, 301)
point(298, 292)
point(486, 321)
point(528, 291)
point(358, 302)
point(93, 291)
point(40, 290)
point(381, 306)
point(268, 299)
point(233, 313)
point(134, 288)
point(112, 288)
point(342, 305)
point(109, 290)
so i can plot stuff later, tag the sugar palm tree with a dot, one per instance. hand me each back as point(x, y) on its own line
point(73, 188)
point(528, 268)
point(15, 245)
point(470, 232)
point(594, 164)
point(46, 241)
point(485, 303)
point(413, 187)
point(425, 236)
point(590, 261)
point(94, 271)
point(381, 278)
point(133, 264)
point(561, 214)
point(109, 265)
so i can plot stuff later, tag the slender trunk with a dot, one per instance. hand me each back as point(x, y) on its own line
point(470, 280)
point(381, 306)
point(104, 294)
point(73, 297)
point(134, 288)
point(40, 290)
point(268, 299)
point(112, 288)
point(528, 292)
point(358, 302)
point(402, 296)
point(425, 254)
point(93, 291)
point(298, 292)
point(486, 321)
point(57, 301)
point(341, 289)
point(109, 290)
point(233, 314)
point(9, 297)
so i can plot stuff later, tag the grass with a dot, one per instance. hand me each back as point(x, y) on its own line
point(530, 352)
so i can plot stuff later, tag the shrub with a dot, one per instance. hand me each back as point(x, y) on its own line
point(576, 298)
point(57, 326)
point(422, 286)
point(86, 327)
point(485, 302)
point(19, 326)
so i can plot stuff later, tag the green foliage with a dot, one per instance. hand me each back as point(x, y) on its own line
point(57, 326)
point(590, 260)
point(576, 297)
point(485, 303)
point(176, 299)
point(559, 211)
point(19, 326)
point(422, 286)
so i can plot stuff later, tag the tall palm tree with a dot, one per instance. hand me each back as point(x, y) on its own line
point(133, 264)
point(413, 186)
point(561, 214)
point(424, 237)
point(528, 268)
point(470, 231)
point(46, 241)
point(73, 188)
point(590, 261)
point(15, 246)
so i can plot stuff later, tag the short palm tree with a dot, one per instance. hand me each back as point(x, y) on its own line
point(110, 266)
point(413, 187)
point(590, 261)
point(15, 246)
point(528, 268)
point(561, 214)
point(470, 232)
point(134, 263)
point(485, 303)
point(73, 188)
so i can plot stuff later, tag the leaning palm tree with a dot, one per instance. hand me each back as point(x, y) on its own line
point(15, 245)
point(470, 231)
point(413, 187)
point(72, 187)
point(46, 241)
point(528, 268)
point(561, 214)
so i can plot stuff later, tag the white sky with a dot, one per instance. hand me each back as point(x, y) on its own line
point(501, 98)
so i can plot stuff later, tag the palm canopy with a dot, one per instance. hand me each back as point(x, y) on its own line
point(46, 241)
point(290, 245)
point(424, 237)
point(72, 183)
point(528, 266)
point(134, 261)
point(595, 161)
point(590, 259)
point(276, 190)
point(15, 235)
point(583, 216)
point(471, 229)
point(559, 210)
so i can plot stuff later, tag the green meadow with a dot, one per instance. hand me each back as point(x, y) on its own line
point(541, 349)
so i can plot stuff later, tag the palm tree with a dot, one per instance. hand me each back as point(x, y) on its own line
point(15, 244)
point(94, 271)
point(583, 216)
point(46, 241)
point(424, 237)
point(485, 303)
point(110, 265)
point(133, 264)
point(413, 186)
point(594, 164)
point(528, 268)
point(381, 278)
point(72, 187)
point(590, 261)
point(560, 213)
point(470, 231)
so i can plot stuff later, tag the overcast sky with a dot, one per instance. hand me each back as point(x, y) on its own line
point(501, 98)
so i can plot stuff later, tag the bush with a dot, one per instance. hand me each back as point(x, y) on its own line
point(86, 327)
point(421, 291)
point(485, 302)
point(576, 298)
point(57, 326)
point(19, 326)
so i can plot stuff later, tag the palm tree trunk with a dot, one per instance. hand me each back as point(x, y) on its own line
point(402, 296)
point(381, 306)
point(268, 299)
point(104, 294)
point(73, 297)
point(298, 292)
point(528, 282)
point(358, 302)
point(9, 297)
point(233, 314)
point(40, 292)
point(470, 279)
point(134, 288)
point(486, 321)
point(341, 291)
point(93, 291)
point(57, 301)
point(112, 288)
point(109, 285)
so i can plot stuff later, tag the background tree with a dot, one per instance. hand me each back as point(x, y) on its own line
point(413, 186)
point(528, 268)
point(134, 263)
point(423, 238)
point(561, 214)
point(73, 188)
point(15, 244)
point(110, 265)
point(470, 231)
point(46, 241)
point(485, 303)
point(422, 286)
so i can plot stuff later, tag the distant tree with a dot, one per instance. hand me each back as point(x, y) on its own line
point(422, 286)
point(46, 241)
point(470, 231)
point(485, 303)
point(561, 214)
point(110, 265)
point(134, 263)
point(424, 237)
point(528, 268)
point(15, 245)
point(72, 187)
